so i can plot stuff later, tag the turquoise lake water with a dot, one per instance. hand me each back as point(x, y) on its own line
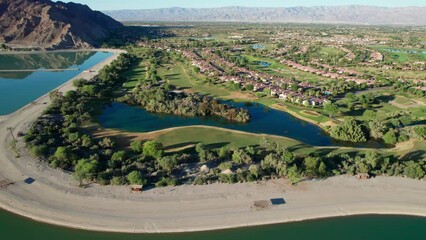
point(19, 88)
point(368, 227)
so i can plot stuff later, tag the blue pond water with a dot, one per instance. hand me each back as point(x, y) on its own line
point(264, 120)
point(264, 64)
point(405, 51)
point(257, 46)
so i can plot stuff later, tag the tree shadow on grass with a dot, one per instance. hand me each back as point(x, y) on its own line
point(217, 145)
point(180, 145)
point(415, 155)
point(171, 75)
point(296, 147)
point(184, 88)
point(385, 98)
point(324, 151)
point(355, 112)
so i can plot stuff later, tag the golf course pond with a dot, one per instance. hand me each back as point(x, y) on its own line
point(264, 121)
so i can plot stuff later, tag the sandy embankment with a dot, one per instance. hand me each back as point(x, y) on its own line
point(284, 108)
point(54, 197)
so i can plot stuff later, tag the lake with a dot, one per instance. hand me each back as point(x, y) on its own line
point(263, 64)
point(257, 46)
point(367, 227)
point(404, 51)
point(264, 120)
point(23, 78)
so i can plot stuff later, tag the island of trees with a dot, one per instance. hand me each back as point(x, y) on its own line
point(160, 97)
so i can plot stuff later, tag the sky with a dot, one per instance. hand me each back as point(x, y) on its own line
point(149, 4)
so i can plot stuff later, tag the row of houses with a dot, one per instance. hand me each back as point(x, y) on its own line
point(349, 54)
point(339, 70)
point(260, 82)
point(337, 75)
point(204, 66)
point(277, 91)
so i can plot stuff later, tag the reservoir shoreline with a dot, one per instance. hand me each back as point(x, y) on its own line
point(54, 197)
point(27, 96)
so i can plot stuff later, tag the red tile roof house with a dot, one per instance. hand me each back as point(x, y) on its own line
point(317, 102)
point(285, 95)
point(258, 87)
point(421, 88)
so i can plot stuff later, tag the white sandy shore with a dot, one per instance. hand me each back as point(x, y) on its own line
point(54, 198)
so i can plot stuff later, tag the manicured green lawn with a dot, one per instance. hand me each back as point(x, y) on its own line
point(299, 111)
point(403, 100)
point(134, 75)
point(393, 73)
point(183, 76)
point(329, 52)
point(280, 70)
point(417, 152)
point(217, 138)
point(403, 56)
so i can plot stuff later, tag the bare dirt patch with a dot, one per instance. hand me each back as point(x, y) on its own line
point(407, 145)
point(330, 123)
point(414, 104)
point(122, 138)
point(311, 113)
point(241, 95)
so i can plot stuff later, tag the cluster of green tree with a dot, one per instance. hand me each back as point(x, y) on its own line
point(3, 46)
point(361, 55)
point(56, 137)
point(390, 128)
point(128, 35)
point(203, 42)
point(157, 96)
point(373, 163)
point(314, 52)
point(410, 87)
point(266, 160)
point(227, 54)
point(349, 131)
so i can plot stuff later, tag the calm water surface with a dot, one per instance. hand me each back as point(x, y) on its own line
point(264, 120)
point(19, 88)
point(404, 51)
point(369, 227)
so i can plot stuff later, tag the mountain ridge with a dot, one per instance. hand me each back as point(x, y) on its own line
point(53, 25)
point(352, 14)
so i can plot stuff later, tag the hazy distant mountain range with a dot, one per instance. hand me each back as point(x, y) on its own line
point(339, 14)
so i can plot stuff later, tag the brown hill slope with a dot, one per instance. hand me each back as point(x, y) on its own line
point(47, 24)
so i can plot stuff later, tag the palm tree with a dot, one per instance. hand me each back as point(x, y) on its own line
point(10, 129)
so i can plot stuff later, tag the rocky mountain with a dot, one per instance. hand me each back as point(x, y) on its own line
point(340, 14)
point(47, 24)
